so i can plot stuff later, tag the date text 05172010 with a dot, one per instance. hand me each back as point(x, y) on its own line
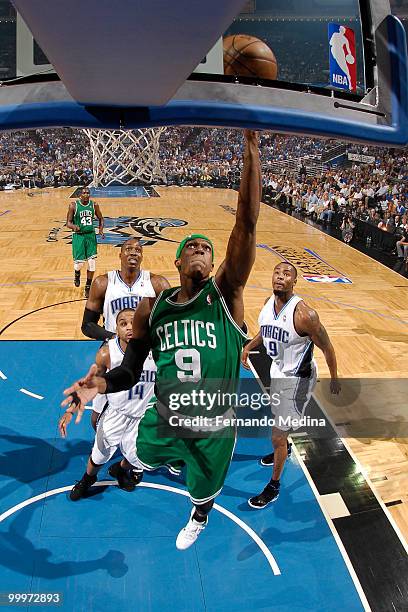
point(13, 598)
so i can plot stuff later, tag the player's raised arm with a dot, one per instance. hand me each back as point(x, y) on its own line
point(123, 377)
point(234, 271)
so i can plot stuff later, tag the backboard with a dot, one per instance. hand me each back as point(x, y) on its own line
point(342, 67)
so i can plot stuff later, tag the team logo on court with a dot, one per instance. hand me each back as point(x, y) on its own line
point(342, 55)
point(314, 268)
point(147, 229)
point(325, 278)
point(119, 229)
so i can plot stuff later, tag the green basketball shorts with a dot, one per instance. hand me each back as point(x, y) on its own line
point(84, 246)
point(207, 459)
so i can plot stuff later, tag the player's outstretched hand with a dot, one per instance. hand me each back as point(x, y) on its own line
point(335, 386)
point(251, 135)
point(244, 359)
point(82, 392)
point(64, 422)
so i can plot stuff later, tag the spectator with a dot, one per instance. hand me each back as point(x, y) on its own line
point(402, 245)
point(347, 228)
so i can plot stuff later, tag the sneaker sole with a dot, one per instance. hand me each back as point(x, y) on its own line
point(74, 499)
point(262, 507)
point(82, 495)
point(127, 488)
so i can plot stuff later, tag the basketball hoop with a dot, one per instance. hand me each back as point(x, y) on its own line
point(125, 157)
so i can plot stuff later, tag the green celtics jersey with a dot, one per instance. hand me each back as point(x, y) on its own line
point(84, 216)
point(196, 345)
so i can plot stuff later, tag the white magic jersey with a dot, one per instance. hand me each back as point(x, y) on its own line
point(291, 354)
point(119, 295)
point(134, 401)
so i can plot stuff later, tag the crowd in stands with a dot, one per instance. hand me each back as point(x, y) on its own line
point(364, 195)
point(344, 196)
point(197, 156)
point(372, 200)
point(44, 158)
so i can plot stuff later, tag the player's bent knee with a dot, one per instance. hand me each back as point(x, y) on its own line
point(279, 438)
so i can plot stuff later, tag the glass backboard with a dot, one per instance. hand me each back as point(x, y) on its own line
point(341, 72)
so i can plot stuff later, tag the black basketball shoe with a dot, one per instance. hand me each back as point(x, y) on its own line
point(268, 495)
point(77, 278)
point(268, 460)
point(86, 290)
point(79, 490)
point(127, 479)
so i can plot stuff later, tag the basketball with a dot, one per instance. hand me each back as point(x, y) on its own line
point(249, 56)
point(349, 59)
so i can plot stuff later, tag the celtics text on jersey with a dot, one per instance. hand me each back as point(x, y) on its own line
point(197, 348)
point(83, 216)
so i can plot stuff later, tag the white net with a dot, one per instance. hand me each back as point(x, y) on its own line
point(125, 157)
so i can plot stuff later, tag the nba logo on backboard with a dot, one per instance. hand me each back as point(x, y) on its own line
point(342, 52)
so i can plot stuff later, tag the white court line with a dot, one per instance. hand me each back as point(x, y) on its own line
point(358, 464)
point(367, 479)
point(3, 376)
point(329, 521)
point(31, 394)
point(336, 536)
point(103, 483)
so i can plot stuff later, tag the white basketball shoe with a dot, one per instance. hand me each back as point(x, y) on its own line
point(189, 534)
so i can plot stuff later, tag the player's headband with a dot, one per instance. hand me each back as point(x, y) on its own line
point(191, 237)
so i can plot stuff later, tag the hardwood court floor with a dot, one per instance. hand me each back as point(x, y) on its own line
point(367, 320)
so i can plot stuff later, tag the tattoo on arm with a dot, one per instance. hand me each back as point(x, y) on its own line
point(321, 339)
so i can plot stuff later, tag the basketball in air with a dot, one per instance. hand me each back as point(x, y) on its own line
point(349, 59)
point(249, 56)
